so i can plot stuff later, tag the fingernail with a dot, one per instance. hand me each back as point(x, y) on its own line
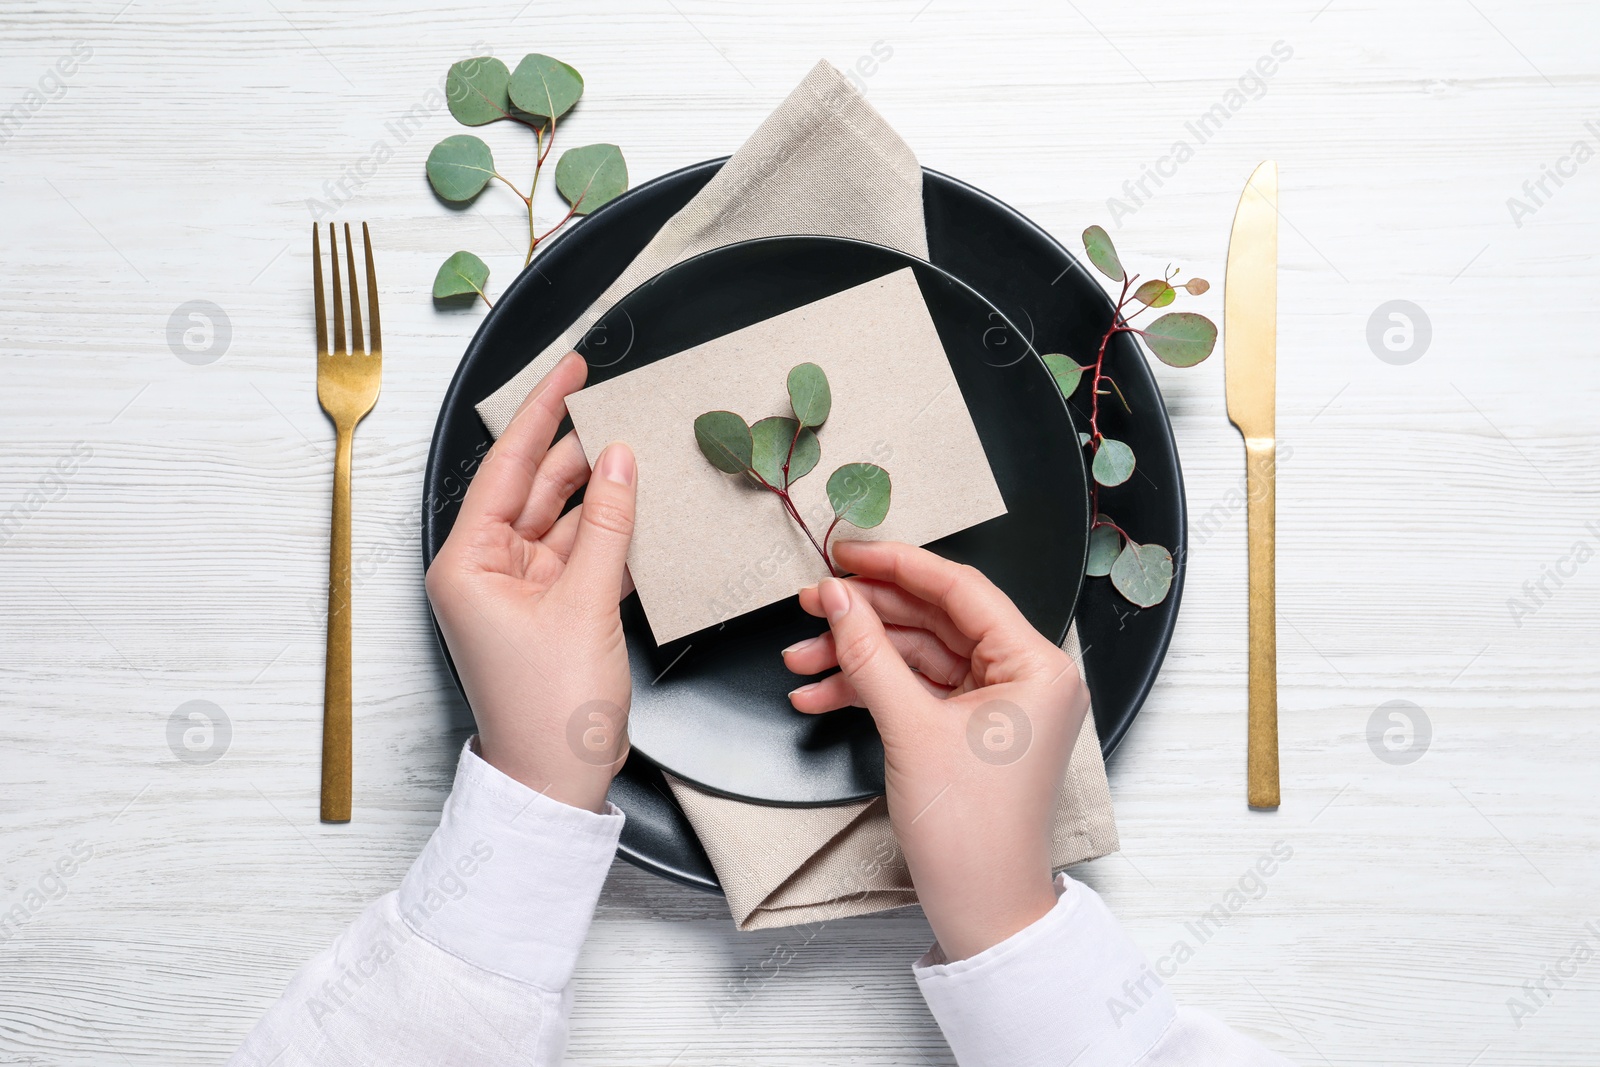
point(616, 464)
point(803, 689)
point(835, 599)
point(802, 646)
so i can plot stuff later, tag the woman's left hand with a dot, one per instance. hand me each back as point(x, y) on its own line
point(527, 600)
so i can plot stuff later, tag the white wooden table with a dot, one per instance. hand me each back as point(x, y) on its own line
point(165, 523)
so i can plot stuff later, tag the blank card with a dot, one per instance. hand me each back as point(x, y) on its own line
point(710, 546)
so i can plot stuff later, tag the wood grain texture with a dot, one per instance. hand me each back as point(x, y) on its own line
point(166, 523)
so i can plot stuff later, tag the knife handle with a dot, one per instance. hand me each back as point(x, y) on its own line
point(1261, 486)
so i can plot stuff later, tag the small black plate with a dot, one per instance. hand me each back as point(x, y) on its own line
point(1021, 269)
point(712, 707)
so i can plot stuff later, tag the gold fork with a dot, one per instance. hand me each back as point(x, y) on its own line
point(347, 387)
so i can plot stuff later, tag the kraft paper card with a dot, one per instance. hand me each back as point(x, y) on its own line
point(709, 546)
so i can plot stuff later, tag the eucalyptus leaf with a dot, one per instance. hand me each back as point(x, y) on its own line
point(1066, 372)
point(1181, 338)
point(725, 440)
point(1102, 253)
point(459, 167)
point(544, 87)
point(1196, 286)
point(463, 274)
point(1143, 573)
point(476, 91)
point(859, 493)
point(1083, 438)
point(809, 394)
point(771, 439)
point(590, 176)
point(1104, 544)
point(1113, 462)
point(1155, 293)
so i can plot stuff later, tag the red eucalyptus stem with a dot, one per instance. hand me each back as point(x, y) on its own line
point(1119, 324)
point(1094, 399)
point(789, 456)
point(542, 146)
point(570, 212)
point(794, 513)
point(1101, 520)
point(1115, 328)
point(826, 537)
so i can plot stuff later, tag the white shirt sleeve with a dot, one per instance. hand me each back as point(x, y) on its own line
point(1072, 989)
point(471, 960)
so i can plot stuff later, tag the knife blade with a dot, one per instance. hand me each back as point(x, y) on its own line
point(1250, 356)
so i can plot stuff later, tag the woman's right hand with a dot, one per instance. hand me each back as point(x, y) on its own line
point(978, 712)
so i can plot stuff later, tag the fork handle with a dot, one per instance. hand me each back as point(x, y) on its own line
point(336, 698)
point(1261, 487)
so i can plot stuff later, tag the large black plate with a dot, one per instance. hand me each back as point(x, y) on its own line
point(1020, 268)
point(712, 707)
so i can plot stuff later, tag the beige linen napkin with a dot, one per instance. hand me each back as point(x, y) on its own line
point(786, 866)
point(826, 163)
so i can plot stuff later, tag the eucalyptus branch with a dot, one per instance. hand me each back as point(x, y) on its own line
point(778, 451)
point(541, 90)
point(1140, 572)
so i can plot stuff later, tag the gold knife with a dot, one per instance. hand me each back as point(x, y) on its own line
point(1250, 351)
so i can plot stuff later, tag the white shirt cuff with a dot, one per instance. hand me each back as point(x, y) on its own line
point(509, 880)
point(1070, 989)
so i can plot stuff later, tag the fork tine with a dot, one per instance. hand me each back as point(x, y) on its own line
point(356, 347)
point(316, 282)
point(372, 292)
point(338, 298)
